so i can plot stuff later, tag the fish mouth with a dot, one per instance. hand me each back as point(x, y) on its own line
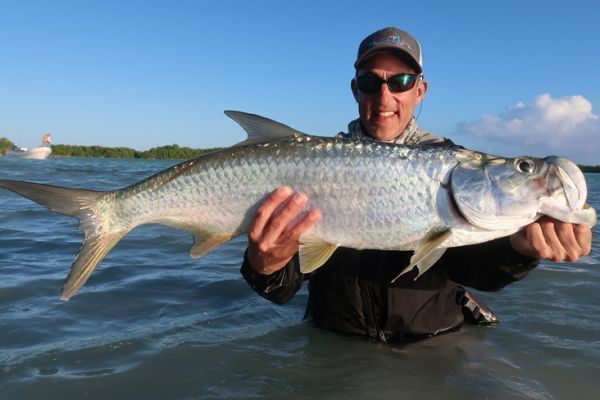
point(572, 180)
point(566, 200)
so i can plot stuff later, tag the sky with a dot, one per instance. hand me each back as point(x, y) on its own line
point(509, 78)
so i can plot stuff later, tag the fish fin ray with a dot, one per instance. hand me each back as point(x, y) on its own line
point(427, 253)
point(260, 129)
point(314, 253)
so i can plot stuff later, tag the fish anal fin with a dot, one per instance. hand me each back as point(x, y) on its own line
point(314, 253)
point(206, 241)
point(428, 252)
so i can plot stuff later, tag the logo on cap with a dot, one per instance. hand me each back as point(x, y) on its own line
point(390, 38)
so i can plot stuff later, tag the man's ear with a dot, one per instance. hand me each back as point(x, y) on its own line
point(354, 89)
point(421, 90)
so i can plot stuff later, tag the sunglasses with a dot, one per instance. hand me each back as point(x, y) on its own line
point(371, 84)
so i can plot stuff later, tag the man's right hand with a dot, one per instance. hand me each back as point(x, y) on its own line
point(273, 234)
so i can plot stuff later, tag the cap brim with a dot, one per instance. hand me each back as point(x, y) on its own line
point(405, 56)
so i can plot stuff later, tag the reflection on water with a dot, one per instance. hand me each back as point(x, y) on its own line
point(154, 323)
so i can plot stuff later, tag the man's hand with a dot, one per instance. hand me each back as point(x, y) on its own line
point(273, 234)
point(554, 240)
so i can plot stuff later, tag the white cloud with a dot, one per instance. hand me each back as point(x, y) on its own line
point(563, 126)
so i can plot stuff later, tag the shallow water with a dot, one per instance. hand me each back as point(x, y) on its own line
point(153, 323)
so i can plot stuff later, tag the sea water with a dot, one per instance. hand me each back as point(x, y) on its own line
point(152, 323)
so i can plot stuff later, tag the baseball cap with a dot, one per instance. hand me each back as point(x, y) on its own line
point(393, 39)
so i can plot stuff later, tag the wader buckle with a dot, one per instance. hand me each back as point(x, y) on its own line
point(474, 310)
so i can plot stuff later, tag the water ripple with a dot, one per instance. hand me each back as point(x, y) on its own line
point(154, 323)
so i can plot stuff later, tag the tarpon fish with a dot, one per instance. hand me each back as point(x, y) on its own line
point(372, 195)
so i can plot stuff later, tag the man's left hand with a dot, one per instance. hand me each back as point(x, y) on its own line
point(554, 240)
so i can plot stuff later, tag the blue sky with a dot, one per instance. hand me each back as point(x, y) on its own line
point(510, 77)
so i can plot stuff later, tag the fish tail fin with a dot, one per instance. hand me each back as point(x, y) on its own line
point(73, 202)
point(93, 250)
point(80, 204)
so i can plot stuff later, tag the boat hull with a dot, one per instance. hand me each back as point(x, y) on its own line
point(37, 153)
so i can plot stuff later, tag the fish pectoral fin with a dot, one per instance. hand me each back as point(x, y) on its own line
point(314, 253)
point(427, 253)
point(428, 260)
point(206, 241)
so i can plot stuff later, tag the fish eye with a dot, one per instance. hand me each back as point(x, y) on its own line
point(524, 165)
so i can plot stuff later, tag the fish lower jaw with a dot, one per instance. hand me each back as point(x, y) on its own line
point(558, 209)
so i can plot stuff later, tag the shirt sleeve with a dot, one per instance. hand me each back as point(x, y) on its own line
point(488, 266)
point(279, 287)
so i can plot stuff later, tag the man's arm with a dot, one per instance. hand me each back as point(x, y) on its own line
point(487, 266)
point(278, 287)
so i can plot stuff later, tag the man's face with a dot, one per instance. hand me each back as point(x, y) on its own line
point(386, 114)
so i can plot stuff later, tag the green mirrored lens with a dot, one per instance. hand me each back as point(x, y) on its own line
point(401, 82)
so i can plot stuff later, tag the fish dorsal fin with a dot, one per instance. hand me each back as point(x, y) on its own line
point(261, 129)
point(314, 253)
point(427, 253)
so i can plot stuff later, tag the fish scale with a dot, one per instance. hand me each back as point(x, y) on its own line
point(308, 165)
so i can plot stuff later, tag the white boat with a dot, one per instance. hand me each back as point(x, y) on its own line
point(37, 153)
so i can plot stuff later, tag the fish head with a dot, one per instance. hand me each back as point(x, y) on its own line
point(508, 193)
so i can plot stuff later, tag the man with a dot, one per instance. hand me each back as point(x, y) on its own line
point(352, 292)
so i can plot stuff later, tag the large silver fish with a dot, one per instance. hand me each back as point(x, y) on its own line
point(372, 195)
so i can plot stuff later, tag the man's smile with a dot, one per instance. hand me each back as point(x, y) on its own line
point(384, 114)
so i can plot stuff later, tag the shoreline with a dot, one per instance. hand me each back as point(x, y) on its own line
point(167, 152)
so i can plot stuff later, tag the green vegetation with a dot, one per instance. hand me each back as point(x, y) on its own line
point(5, 145)
point(174, 152)
point(590, 168)
point(93, 151)
point(170, 152)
